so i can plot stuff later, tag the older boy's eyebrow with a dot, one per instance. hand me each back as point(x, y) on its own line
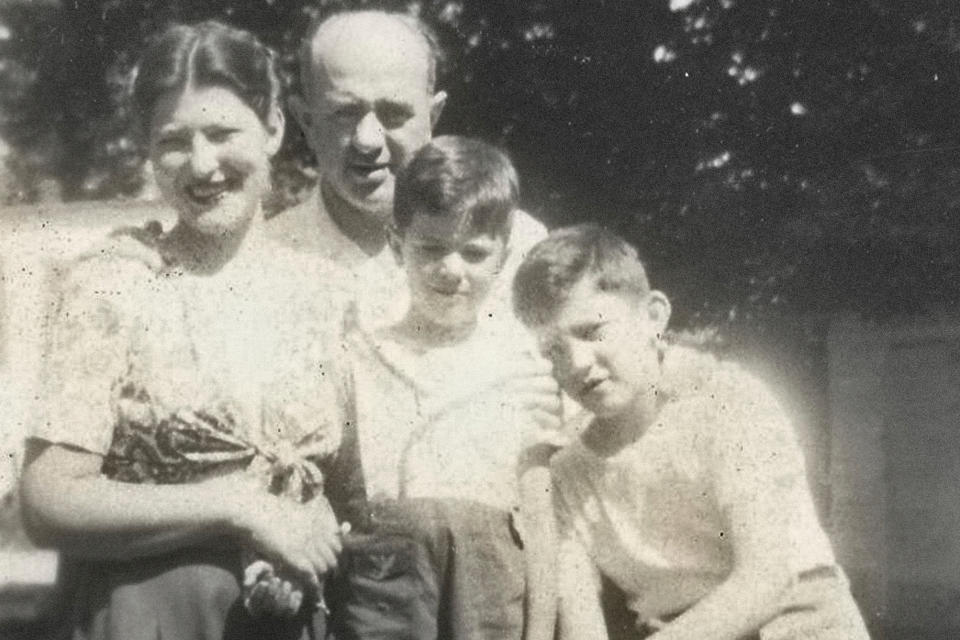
point(586, 326)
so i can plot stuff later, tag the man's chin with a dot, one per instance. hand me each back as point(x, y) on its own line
point(373, 198)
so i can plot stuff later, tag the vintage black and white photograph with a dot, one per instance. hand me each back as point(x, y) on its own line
point(479, 320)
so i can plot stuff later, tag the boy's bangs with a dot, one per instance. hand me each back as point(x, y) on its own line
point(494, 219)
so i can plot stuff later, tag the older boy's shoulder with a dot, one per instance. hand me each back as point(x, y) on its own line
point(694, 376)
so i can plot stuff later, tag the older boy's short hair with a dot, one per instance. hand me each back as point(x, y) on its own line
point(564, 258)
point(462, 177)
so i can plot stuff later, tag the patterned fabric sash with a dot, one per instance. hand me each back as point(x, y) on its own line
point(189, 445)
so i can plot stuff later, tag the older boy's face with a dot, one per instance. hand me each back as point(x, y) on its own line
point(449, 270)
point(604, 348)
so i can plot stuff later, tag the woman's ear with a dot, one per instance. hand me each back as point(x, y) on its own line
point(275, 126)
point(657, 307)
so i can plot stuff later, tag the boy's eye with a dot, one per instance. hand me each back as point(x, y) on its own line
point(590, 332)
point(433, 250)
point(475, 254)
point(551, 349)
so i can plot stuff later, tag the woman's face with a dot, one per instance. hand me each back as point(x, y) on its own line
point(211, 155)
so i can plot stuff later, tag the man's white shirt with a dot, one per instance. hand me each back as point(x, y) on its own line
point(376, 283)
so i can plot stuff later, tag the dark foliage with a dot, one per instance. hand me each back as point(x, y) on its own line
point(773, 160)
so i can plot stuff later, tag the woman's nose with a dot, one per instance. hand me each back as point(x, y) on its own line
point(203, 157)
point(368, 134)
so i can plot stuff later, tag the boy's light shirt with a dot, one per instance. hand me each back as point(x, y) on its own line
point(377, 282)
point(650, 516)
point(433, 424)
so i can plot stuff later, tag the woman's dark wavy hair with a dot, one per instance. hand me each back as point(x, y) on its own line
point(207, 54)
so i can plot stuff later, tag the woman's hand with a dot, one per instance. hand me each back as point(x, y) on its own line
point(302, 536)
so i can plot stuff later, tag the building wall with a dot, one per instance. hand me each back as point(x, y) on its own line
point(895, 471)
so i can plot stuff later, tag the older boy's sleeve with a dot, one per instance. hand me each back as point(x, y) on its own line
point(578, 580)
point(759, 476)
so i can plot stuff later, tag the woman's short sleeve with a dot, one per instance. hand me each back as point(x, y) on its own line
point(85, 355)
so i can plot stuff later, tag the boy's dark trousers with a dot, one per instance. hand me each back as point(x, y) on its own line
point(422, 568)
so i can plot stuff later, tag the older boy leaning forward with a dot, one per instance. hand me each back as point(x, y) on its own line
point(688, 489)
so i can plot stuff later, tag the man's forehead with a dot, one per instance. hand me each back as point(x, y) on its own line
point(369, 45)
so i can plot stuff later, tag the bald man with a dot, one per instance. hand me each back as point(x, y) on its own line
point(369, 102)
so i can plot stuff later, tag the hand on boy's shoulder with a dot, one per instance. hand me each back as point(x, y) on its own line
point(529, 385)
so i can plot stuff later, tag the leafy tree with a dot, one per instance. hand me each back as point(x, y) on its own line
point(773, 160)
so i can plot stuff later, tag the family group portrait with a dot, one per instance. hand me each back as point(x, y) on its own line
point(462, 320)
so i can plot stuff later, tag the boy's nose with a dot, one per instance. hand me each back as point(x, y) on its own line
point(368, 134)
point(579, 355)
point(451, 266)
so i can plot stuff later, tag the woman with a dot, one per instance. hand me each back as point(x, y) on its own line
point(163, 348)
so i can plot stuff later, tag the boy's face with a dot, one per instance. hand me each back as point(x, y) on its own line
point(604, 348)
point(449, 270)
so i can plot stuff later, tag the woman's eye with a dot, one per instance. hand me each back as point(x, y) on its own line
point(172, 143)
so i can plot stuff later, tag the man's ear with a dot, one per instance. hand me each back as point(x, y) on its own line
point(657, 307)
point(395, 240)
point(436, 107)
point(276, 123)
point(301, 113)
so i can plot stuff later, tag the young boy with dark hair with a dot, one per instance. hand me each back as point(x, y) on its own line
point(454, 416)
point(688, 489)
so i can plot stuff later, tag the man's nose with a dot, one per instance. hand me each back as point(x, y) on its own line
point(368, 134)
point(203, 157)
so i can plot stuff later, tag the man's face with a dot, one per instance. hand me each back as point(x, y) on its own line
point(604, 348)
point(368, 106)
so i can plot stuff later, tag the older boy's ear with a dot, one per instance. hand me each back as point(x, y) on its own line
point(658, 309)
point(395, 240)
